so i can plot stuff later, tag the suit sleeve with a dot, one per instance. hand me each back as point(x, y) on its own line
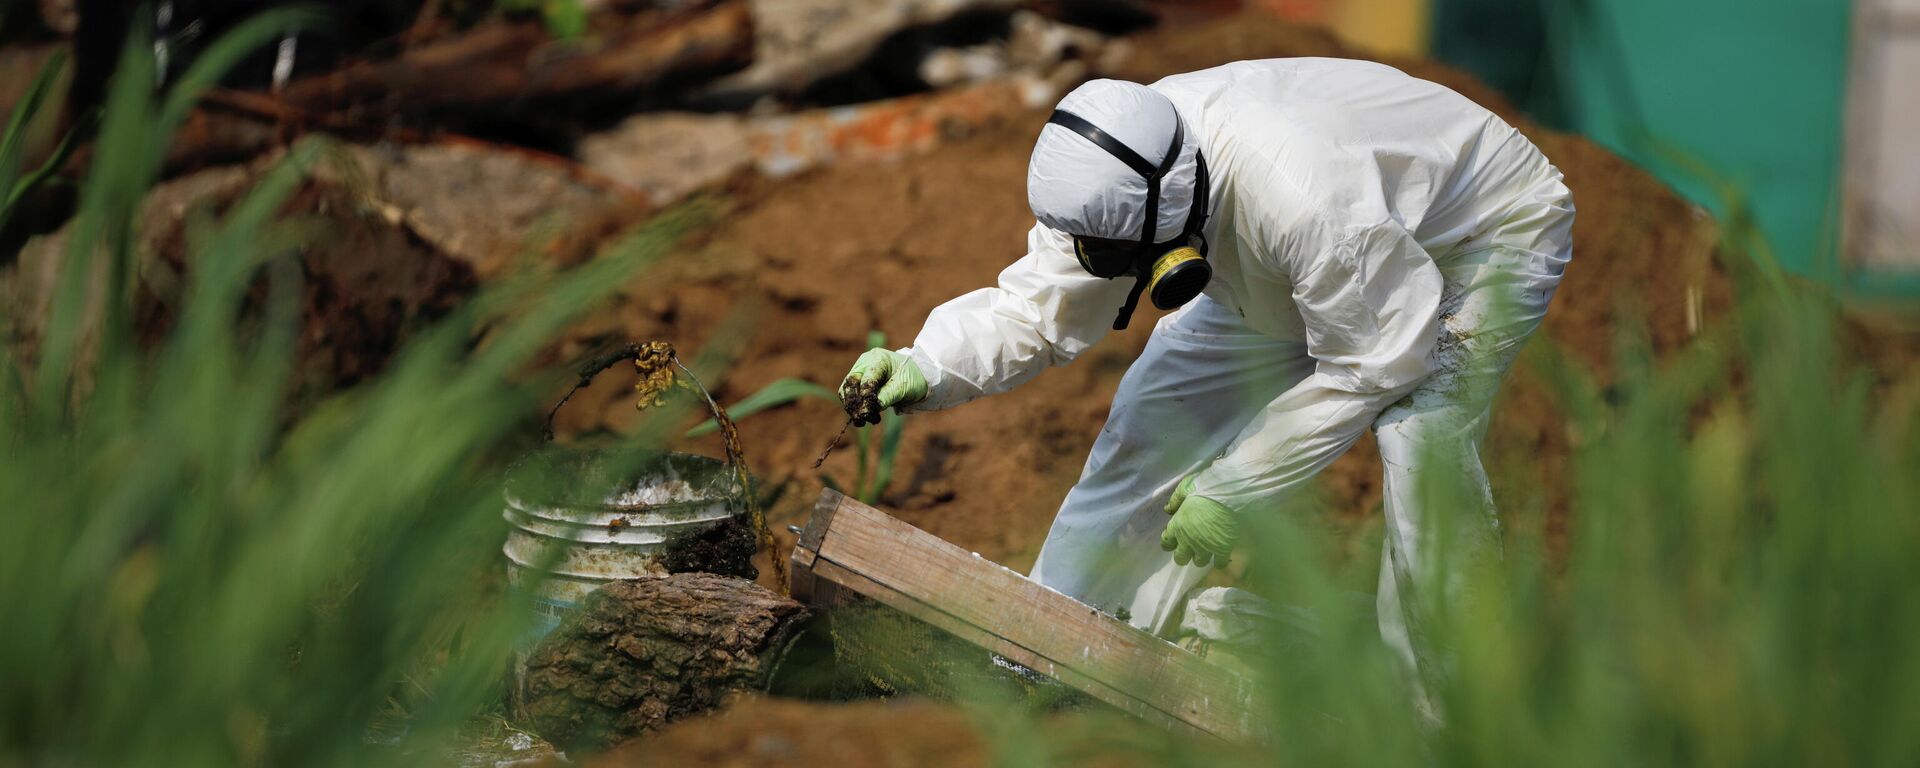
point(1044, 311)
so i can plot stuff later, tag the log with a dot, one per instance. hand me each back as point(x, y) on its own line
point(502, 65)
point(849, 547)
point(644, 653)
point(506, 62)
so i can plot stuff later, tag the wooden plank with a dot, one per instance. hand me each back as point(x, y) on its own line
point(800, 581)
point(834, 577)
point(863, 550)
point(816, 530)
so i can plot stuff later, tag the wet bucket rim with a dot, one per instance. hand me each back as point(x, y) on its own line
point(528, 503)
point(520, 503)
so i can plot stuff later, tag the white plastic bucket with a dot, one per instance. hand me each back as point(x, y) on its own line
point(563, 546)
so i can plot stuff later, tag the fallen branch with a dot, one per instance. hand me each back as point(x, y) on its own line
point(510, 62)
point(499, 65)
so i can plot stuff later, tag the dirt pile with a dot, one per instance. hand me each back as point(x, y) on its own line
point(643, 653)
point(395, 237)
point(824, 258)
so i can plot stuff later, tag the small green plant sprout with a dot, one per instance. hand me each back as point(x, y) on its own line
point(874, 468)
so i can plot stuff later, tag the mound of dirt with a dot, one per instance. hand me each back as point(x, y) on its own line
point(395, 238)
point(824, 258)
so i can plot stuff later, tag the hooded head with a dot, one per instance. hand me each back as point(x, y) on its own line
point(1079, 188)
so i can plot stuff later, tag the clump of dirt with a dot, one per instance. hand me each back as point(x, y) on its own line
point(864, 405)
point(726, 549)
point(642, 653)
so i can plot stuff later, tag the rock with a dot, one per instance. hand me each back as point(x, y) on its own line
point(947, 67)
point(1036, 46)
point(487, 205)
point(1038, 43)
point(667, 156)
point(643, 653)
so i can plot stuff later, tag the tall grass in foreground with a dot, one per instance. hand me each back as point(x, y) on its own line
point(189, 575)
point(186, 577)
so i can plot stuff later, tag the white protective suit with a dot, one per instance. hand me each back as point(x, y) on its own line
point(1381, 247)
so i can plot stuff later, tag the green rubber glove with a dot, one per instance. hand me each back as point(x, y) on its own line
point(1202, 530)
point(881, 379)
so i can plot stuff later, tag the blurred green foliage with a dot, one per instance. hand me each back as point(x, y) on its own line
point(14, 186)
point(190, 573)
point(565, 19)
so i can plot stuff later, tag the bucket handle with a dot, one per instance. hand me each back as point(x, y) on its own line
point(658, 350)
point(658, 354)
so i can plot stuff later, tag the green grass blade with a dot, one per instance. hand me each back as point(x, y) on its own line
point(890, 433)
point(13, 142)
point(773, 395)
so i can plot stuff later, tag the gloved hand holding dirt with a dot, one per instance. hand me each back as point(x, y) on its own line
point(879, 380)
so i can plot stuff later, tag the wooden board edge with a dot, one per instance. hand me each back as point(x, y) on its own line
point(801, 584)
point(821, 520)
point(1228, 695)
point(844, 578)
point(854, 514)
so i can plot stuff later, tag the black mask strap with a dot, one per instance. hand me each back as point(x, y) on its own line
point(1103, 140)
point(1152, 173)
point(1133, 300)
point(1202, 190)
point(1125, 154)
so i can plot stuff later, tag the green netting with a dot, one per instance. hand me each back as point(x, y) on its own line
point(899, 654)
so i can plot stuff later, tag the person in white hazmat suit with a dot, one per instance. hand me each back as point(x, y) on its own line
point(1368, 250)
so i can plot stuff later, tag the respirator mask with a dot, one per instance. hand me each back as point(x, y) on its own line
point(1170, 274)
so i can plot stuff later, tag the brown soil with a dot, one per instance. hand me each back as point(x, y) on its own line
point(646, 652)
point(821, 259)
point(396, 237)
point(725, 549)
point(904, 732)
point(759, 732)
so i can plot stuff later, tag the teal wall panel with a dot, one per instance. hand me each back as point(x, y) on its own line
point(1717, 98)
